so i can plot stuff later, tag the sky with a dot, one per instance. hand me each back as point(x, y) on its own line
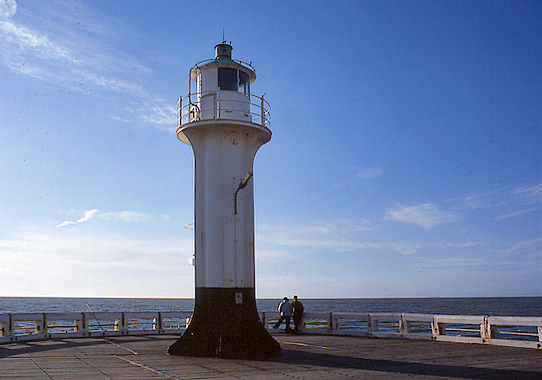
point(405, 159)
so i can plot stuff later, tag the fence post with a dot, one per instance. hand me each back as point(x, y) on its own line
point(372, 324)
point(6, 327)
point(436, 328)
point(120, 323)
point(41, 325)
point(484, 328)
point(86, 327)
point(80, 325)
point(124, 323)
point(264, 321)
point(404, 325)
point(157, 322)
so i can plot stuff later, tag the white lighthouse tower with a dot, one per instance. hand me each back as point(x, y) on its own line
point(225, 125)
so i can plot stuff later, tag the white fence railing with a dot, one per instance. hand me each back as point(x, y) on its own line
point(18, 327)
point(505, 331)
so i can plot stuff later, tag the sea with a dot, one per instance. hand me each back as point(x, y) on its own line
point(501, 306)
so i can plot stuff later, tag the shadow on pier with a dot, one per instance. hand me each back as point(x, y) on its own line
point(329, 360)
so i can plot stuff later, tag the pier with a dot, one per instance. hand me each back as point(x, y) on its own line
point(133, 345)
point(307, 356)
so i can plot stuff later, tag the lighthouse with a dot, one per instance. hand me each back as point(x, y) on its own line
point(225, 124)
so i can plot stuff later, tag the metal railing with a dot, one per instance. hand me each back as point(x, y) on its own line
point(238, 61)
point(219, 108)
point(523, 332)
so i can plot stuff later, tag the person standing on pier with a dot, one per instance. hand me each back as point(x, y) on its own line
point(285, 310)
point(298, 308)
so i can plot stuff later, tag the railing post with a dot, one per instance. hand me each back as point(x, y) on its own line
point(6, 326)
point(180, 112)
point(404, 325)
point(41, 325)
point(262, 111)
point(483, 328)
point(486, 333)
point(333, 323)
point(80, 325)
point(373, 324)
point(38, 326)
point(264, 321)
point(436, 328)
point(157, 322)
point(122, 323)
point(84, 324)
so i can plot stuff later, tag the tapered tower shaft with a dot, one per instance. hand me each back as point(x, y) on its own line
point(225, 127)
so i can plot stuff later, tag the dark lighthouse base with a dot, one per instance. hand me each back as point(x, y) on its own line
point(225, 324)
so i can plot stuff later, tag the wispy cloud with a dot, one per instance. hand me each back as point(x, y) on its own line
point(88, 215)
point(288, 242)
point(409, 249)
point(7, 8)
point(456, 245)
point(95, 264)
point(118, 216)
point(524, 245)
point(159, 114)
point(123, 216)
point(25, 40)
point(79, 58)
point(404, 249)
point(517, 213)
point(530, 194)
point(273, 254)
point(369, 173)
point(520, 196)
point(453, 262)
point(339, 226)
point(425, 215)
point(449, 262)
point(89, 248)
point(474, 197)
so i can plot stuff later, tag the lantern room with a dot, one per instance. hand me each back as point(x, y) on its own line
point(219, 88)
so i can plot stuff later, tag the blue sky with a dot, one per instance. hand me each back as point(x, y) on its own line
point(405, 159)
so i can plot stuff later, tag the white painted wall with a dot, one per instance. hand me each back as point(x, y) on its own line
point(224, 242)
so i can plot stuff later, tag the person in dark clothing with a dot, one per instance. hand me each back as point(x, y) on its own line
point(285, 310)
point(297, 307)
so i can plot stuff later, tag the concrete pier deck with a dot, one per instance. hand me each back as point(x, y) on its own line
point(314, 357)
